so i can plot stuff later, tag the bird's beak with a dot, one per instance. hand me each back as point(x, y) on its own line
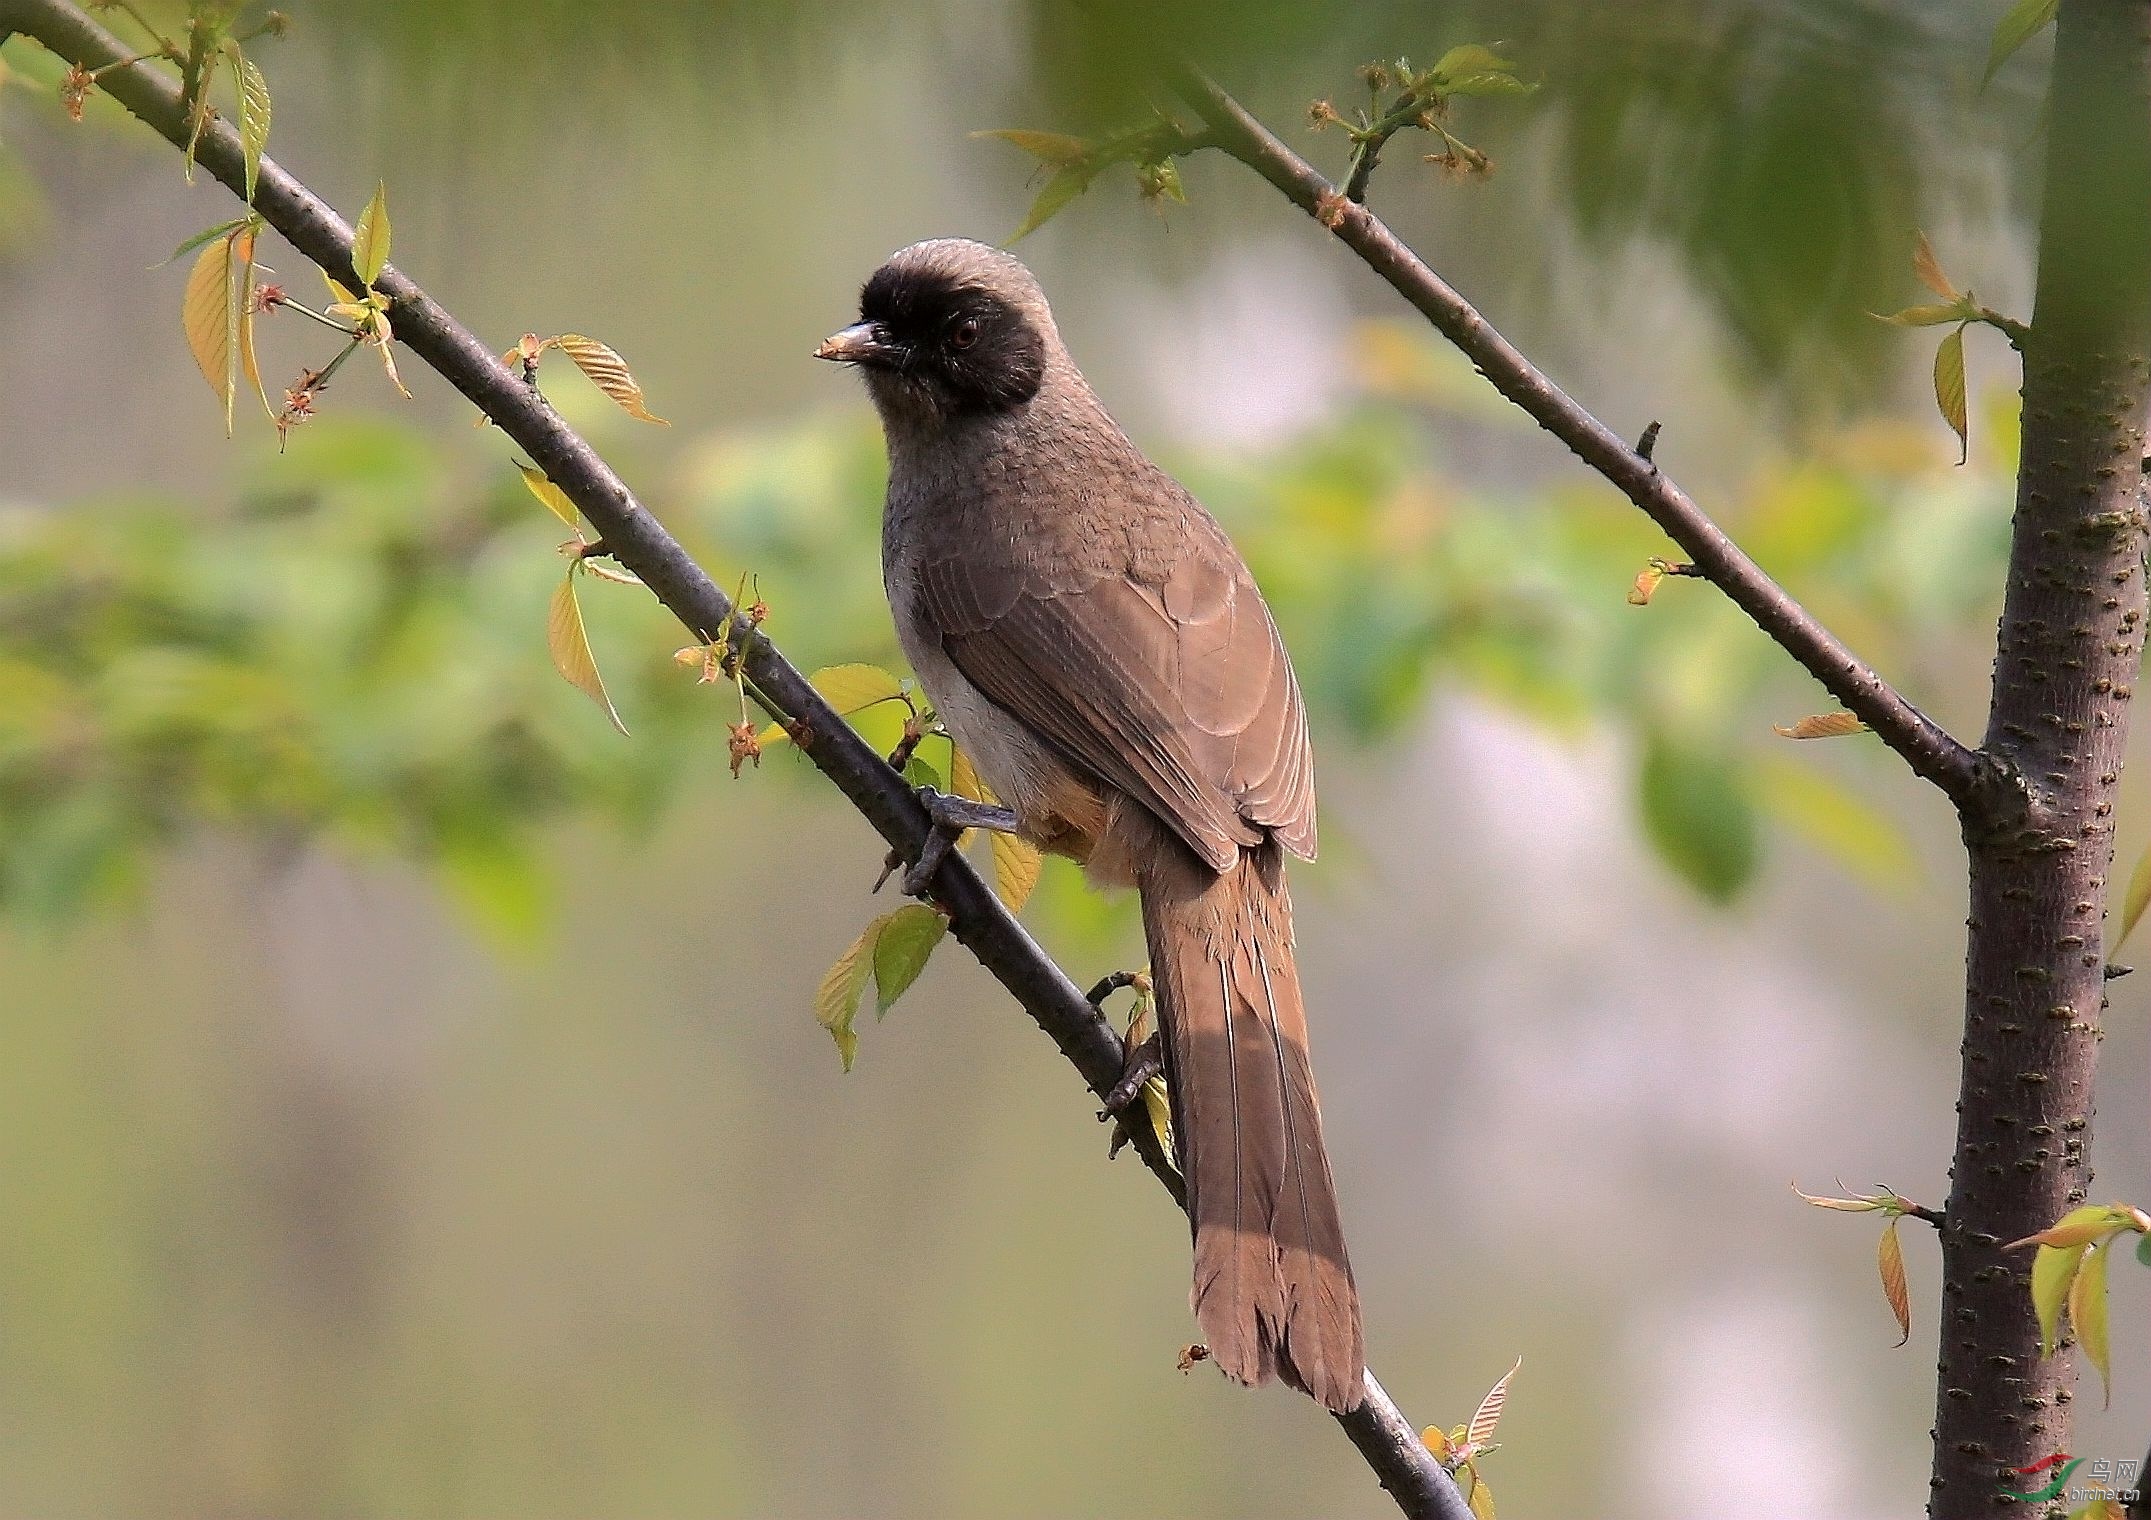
point(862, 343)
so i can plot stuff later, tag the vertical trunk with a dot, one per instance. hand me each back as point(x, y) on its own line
point(2066, 660)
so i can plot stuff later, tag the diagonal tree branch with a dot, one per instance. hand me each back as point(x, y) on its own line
point(1924, 744)
point(1388, 1442)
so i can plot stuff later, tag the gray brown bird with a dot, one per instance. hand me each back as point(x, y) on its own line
point(1096, 644)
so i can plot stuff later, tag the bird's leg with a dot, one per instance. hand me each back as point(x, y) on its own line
point(952, 818)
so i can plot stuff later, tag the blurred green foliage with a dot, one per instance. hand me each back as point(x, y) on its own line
point(355, 649)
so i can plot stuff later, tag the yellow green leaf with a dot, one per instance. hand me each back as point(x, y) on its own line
point(608, 372)
point(2024, 20)
point(2139, 895)
point(1054, 148)
point(369, 243)
point(219, 332)
point(1949, 389)
point(1016, 864)
point(902, 948)
point(569, 643)
point(848, 689)
point(339, 295)
point(1923, 316)
point(836, 1000)
point(1480, 1429)
point(964, 779)
point(2053, 1272)
point(1646, 586)
point(1890, 1258)
point(1831, 725)
point(1068, 182)
point(2081, 1226)
point(253, 118)
point(554, 499)
point(2087, 1313)
point(1477, 1494)
point(1929, 270)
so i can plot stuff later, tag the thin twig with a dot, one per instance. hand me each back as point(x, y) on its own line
point(1388, 1442)
point(1925, 745)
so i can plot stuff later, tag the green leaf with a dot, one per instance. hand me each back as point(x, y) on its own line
point(1066, 184)
point(1835, 819)
point(1699, 817)
point(253, 116)
point(2087, 1314)
point(369, 244)
point(2025, 19)
point(1016, 864)
point(555, 500)
point(2053, 1273)
point(1055, 148)
point(569, 643)
point(901, 950)
point(2143, 1250)
point(920, 772)
point(222, 229)
point(836, 1000)
point(1476, 70)
point(848, 689)
point(2138, 896)
point(1949, 389)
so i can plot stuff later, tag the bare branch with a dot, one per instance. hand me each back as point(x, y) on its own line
point(1388, 1442)
point(1925, 745)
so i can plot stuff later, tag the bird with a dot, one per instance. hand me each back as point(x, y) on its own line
point(1095, 644)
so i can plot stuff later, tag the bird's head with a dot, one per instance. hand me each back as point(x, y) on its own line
point(948, 329)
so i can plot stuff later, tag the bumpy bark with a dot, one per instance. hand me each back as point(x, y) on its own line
point(2041, 835)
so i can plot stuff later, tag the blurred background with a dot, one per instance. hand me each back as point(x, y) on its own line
point(410, 1099)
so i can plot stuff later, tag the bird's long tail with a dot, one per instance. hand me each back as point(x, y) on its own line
point(1273, 1289)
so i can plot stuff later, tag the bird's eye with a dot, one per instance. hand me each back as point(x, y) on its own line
point(964, 333)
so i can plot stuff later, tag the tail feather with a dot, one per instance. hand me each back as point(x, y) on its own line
point(1273, 1288)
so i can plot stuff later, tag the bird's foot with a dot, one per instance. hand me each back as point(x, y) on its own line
point(1145, 1059)
point(952, 818)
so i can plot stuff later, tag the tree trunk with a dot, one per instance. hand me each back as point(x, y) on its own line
point(2041, 839)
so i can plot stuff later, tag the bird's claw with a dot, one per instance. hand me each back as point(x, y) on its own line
point(1145, 1059)
point(952, 818)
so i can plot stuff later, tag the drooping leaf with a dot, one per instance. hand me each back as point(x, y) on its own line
point(1928, 269)
point(2053, 1271)
point(383, 337)
point(198, 107)
point(609, 373)
point(1698, 816)
point(1646, 585)
point(848, 689)
point(370, 240)
point(1949, 389)
point(836, 1000)
point(1890, 1259)
point(902, 948)
point(219, 332)
point(253, 117)
point(554, 499)
point(1057, 149)
point(1480, 1429)
point(1481, 1497)
point(2087, 1313)
point(2137, 898)
point(1066, 184)
point(1016, 864)
point(2023, 22)
point(964, 779)
point(1832, 725)
point(569, 643)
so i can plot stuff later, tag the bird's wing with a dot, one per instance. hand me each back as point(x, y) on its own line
point(1169, 684)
